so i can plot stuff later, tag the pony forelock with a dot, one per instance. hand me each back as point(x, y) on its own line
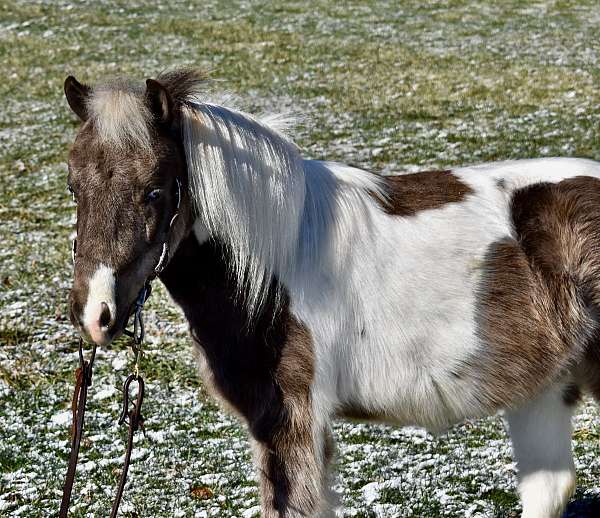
point(120, 115)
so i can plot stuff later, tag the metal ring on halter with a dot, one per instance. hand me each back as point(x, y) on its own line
point(138, 322)
point(164, 255)
point(175, 216)
point(138, 327)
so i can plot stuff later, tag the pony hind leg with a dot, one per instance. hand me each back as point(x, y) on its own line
point(541, 433)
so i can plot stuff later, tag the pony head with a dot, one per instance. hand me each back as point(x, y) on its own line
point(126, 172)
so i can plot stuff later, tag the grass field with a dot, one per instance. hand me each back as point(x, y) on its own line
point(390, 86)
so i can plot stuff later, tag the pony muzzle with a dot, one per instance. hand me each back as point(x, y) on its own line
point(97, 321)
point(99, 327)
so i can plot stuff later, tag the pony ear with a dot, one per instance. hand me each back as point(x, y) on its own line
point(77, 95)
point(160, 102)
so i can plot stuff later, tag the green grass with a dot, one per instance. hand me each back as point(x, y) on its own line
point(389, 86)
point(501, 499)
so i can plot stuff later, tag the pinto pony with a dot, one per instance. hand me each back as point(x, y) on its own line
point(315, 290)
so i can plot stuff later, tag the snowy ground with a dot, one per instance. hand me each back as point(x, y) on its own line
point(388, 87)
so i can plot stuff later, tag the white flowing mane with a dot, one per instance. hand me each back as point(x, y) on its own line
point(274, 210)
point(277, 213)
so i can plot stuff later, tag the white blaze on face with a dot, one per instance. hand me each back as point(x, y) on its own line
point(101, 288)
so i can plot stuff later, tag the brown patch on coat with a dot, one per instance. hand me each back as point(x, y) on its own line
point(409, 194)
point(539, 291)
point(593, 379)
point(587, 374)
point(592, 365)
point(264, 371)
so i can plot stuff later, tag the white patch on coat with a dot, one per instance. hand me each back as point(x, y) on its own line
point(390, 304)
point(101, 288)
point(200, 232)
point(120, 115)
point(390, 301)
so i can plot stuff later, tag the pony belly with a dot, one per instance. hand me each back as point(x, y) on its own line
point(402, 344)
point(374, 368)
point(400, 391)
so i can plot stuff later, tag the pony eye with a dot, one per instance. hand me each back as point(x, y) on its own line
point(153, 195)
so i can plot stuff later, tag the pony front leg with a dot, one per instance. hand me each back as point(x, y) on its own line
point(541, 436)
point(293, 470)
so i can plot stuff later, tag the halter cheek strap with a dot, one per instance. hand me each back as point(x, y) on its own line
point(138, 323)
point(164, 255)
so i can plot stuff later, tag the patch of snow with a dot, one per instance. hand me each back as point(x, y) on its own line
point(371, 492)
point(252, 512)
point(62, 418)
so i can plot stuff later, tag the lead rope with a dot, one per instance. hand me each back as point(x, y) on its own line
point(135, 421)
point(133, 417)
point(83, 379)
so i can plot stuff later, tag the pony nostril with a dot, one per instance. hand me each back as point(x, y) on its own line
point(104, 315)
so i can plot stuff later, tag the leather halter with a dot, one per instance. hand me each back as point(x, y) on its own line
point(83, 380)
point(138, 324)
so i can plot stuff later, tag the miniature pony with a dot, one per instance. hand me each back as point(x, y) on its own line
point(315, 290)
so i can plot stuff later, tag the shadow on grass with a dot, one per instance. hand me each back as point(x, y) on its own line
point(583, 508)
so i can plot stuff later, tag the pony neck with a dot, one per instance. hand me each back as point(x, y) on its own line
point(251, 189)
